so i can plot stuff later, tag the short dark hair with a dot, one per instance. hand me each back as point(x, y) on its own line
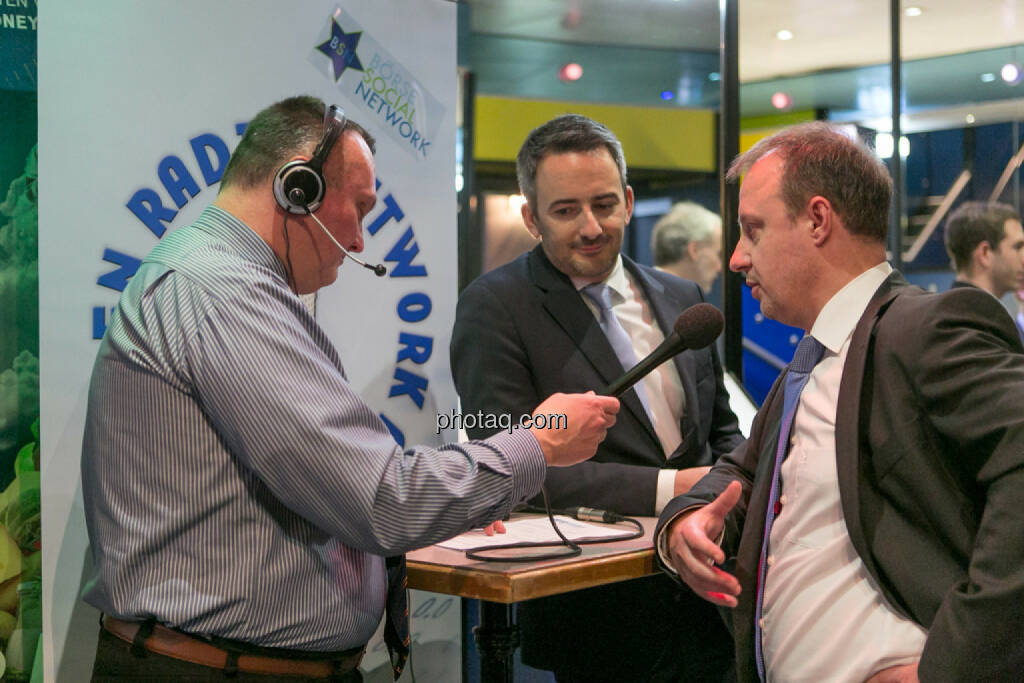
point(973, 223)
point(565, 133)
point(276, 134)
point(821, 160)
point(685, 222)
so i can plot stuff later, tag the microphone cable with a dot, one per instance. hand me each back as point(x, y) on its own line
point(288, 256)
point(573, 547)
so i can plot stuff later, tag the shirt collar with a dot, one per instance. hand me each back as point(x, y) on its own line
point(965, 283)
point(239, 237)
point(616, 280)
point(838, 318)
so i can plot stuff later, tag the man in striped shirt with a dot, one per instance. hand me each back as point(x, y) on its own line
point(240, 496)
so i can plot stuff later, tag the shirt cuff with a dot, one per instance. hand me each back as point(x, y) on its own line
point(666, 490)
point(525, 460)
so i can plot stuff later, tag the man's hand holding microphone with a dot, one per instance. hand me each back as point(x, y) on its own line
point(588, 417)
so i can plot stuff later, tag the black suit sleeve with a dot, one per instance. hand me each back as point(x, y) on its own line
point(495, 373)
point(967, 371)
point(489, 360)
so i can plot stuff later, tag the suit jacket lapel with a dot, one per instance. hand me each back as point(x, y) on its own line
point(764, 439)
point(849, 417)
point(566, 306)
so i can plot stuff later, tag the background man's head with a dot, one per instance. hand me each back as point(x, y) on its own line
point(573, 174)
point(813, 215)
point(687, 241)
point(286, 131)
point(986, 244)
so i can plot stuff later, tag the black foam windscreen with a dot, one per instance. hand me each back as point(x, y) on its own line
point(699, 325)
point(695, 328)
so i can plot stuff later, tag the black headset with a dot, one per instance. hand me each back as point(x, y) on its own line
point(299, 185)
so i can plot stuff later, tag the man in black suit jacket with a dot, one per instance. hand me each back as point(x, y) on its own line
point(896, 550)
point(524, 331)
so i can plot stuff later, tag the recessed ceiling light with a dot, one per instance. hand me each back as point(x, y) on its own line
point(988, 77)
point(784, 35)
point(969, 118)
point(884, 146)
point(1011, 73)
point(912, 11)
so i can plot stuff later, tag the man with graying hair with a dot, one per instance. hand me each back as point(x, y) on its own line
point(247, 510)
point(871, 527)
point(687, 242)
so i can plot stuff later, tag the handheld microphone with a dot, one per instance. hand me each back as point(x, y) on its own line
point(379, 270)
point(695, 328)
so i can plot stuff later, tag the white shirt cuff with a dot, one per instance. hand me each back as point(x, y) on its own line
point(666, 490)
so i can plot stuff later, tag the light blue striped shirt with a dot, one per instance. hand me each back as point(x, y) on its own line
point(234, 483)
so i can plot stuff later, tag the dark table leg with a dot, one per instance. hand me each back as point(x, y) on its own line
point(497, 638)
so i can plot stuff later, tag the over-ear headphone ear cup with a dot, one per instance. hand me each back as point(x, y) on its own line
point(298, 188)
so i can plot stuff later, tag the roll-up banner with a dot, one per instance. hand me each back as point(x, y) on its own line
point(140, 106)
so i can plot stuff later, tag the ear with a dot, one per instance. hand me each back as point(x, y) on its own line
point(982, 255)
point(530, 220)
point(822, 219)
point(691, 250)
point(629, 203)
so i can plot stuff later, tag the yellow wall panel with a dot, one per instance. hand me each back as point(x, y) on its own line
point(652, 137)
point(754, 128)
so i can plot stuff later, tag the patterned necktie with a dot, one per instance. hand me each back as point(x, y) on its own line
point(396, 613)
point(617, 336)
point(807, 355)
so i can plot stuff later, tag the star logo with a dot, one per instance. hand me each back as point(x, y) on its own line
point(341, 49)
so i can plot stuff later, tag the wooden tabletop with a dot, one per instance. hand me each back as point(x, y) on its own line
point(441, 570)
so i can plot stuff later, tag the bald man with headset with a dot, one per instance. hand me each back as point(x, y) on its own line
point(240, 497)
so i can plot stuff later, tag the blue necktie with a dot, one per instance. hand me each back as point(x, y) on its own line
point(616, 334)
point(807, 355)
point(396, 614)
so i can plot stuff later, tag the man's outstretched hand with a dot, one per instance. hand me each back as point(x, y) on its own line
point(694, 552)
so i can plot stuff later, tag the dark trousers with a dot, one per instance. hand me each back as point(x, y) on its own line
point(645, 630)
point(115, 663)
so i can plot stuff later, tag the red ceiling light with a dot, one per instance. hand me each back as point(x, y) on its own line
point(571, 19)
point(781, 100)
point(570, 72)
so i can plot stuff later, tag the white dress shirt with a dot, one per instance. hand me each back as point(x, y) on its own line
point(663, 385)
point(824, 617)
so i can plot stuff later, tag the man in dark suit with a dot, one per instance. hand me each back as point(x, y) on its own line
point(536, 326)
point(896, 546)
point(985, 242)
